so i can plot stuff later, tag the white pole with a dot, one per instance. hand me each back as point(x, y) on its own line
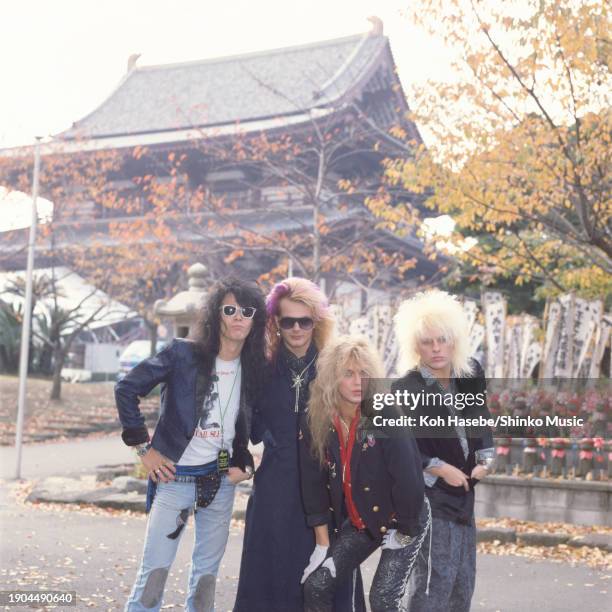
point(27, 315)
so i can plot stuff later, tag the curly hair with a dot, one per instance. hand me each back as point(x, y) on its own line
point(305, 292)
point(429, 311)
point(324, 394)
point(207, 331)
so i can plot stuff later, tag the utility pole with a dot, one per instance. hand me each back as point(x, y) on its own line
point(27, 314)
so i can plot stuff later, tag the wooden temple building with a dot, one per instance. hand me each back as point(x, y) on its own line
point(330, 104)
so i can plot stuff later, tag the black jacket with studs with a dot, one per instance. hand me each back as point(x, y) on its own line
point(386, 480)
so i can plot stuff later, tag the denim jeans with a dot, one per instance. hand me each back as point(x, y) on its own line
point(173, 503)
point(453, 565)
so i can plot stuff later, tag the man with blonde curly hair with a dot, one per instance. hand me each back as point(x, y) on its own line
point(432, 334)
point(359, 481)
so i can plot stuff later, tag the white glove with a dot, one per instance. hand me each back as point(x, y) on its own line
point(317, 557)
point(390, 541)
point(330, 565)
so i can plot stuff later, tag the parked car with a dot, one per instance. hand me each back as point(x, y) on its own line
point(134, 353)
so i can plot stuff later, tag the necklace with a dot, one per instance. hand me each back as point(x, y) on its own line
point(222, 411)
point(346, 426)
point(347, 430)
point(297, 380)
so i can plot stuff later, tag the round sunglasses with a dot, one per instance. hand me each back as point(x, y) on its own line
point(229, 310)
point(289, 322)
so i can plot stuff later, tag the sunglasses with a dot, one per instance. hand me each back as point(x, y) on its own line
point(229, 310)
point(289, 322)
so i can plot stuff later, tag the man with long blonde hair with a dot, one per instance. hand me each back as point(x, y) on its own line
point(367, 487)
point(432, 333)
point(299, 325)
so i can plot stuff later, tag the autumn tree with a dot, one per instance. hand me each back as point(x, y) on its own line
point(114, 226)
point(518, 143)
point(141, 254)
point(297, 201)
point(59, 320)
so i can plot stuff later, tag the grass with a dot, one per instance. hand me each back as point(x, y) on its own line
point(85, 409)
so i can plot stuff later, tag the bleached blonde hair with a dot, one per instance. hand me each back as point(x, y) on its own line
point(427, 312)
point(305, 292)
point(324, 390)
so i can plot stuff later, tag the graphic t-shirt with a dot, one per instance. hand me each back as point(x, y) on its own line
point(223, 397)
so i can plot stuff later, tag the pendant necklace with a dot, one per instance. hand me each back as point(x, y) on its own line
point(348, 431)
point(297, 380)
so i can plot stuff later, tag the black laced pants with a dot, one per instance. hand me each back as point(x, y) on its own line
point(352, 547)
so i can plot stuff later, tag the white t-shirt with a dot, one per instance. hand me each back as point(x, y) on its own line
point(207, 441)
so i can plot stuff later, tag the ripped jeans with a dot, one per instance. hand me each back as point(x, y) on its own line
point(173, 503)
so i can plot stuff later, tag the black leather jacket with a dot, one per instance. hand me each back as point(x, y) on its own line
point(449, 502)
point(183, 386)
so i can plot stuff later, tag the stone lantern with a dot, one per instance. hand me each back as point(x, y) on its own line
point(185, 307)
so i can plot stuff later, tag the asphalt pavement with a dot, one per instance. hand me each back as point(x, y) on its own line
point(96, 555)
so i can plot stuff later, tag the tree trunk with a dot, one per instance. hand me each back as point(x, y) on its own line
point(152, 327)
point(45, 363)
point(316, 255)
point(59, 356)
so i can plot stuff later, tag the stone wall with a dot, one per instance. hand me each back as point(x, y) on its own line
point(541, 499)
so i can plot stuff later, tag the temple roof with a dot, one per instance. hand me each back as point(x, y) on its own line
point(285, 82)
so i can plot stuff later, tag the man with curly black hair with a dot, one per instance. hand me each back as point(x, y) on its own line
point(198, 452)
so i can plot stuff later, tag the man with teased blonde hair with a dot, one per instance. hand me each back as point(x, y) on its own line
point(432, 334)
point(290, 304)
point(299, 325)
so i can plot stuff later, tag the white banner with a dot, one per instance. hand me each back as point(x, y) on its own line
point(494, 307)
point(587, 320)
point(564, 356)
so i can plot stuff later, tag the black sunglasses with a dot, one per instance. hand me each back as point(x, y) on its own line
point(229, 310)
point(289, 322)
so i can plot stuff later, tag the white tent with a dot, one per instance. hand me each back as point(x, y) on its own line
point(73, 289)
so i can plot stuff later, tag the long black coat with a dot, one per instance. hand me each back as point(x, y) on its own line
point(277, 540)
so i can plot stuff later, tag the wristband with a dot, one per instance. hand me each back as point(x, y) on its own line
point(141, 449)
point(403, 538)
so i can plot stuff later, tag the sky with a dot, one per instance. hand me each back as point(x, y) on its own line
point(62, 58)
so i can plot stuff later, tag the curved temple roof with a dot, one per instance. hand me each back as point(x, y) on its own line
point(280, 82)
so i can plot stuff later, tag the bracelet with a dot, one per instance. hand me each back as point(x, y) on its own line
point(141, 449)
point(403, 538)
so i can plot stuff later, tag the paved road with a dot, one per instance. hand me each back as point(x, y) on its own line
point(55, 458)
point(62, 458)
point(96, 555)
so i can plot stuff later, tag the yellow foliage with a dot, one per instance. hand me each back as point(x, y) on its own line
point(519, 143)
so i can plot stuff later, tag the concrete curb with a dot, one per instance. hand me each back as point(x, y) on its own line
point(502, 534)
point(128, 493)
point(536, 538)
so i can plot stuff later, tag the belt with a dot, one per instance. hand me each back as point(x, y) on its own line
point(207, 481)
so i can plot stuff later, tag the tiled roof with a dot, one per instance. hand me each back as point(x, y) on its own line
point(242, 88)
